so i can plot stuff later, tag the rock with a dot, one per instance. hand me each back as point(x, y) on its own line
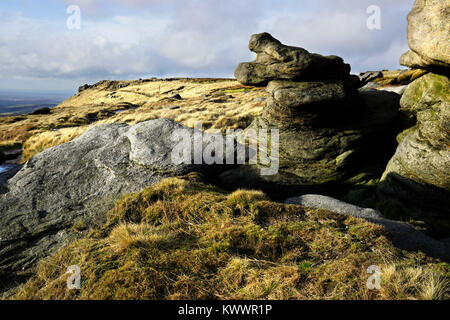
point(40, 111)
point(276, 61)
point(419, 172)
point(369, 76)
point(334, 205)
point(83, 87)
point(7, 171)
point(288, 100)
point(80, 181)
point(408, 76)
point(398, 77)
point(372, 85)
point(423, 155)
point(403, 234)
point(176, 97)
point(261, 99)
point(330, 142)
point(326, 126)
point(173, 108)
point(396, 89)
point(428, 35)
point(300, 94)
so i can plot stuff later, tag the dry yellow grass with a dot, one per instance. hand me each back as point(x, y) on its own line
point(414, 282)
point(41, 141)
point(184, 239)
point(219, 104)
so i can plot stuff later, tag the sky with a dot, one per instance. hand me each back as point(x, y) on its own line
point(132, 39)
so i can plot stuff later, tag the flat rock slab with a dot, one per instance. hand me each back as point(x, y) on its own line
point(297, 94)
point(403, 235)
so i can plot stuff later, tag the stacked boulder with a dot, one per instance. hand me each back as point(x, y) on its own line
point(428, 35)
point(275, 61)
point(419, 172)
point(328, 130)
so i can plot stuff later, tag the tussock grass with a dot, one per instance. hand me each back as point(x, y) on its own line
point(48, 139)
point(16, 133)
point(415, 282)
point(184, 239)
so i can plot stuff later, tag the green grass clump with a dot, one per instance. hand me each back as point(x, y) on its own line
point(184, 239)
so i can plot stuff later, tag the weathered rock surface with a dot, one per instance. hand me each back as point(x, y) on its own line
point(289, 101)
point(327, 142)
point(369, 76)
point(276, 61)
point(298, 94)
point(428, 35)
point(396, 89)
point(77, 182)
point(421, 164)
point(7, 171)
point(325, 202)
point(326, 126)
point(83, 87)
point(403, 234)
point(390, 78)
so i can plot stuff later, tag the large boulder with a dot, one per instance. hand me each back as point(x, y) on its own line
point(421, 164)
point(324, 141)
point(74, 184)
point(428, 35)
point(276, 61)
point(328, 130)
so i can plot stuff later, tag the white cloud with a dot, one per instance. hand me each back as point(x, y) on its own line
point(192, 38)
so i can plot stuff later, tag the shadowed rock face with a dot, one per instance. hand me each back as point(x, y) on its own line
point(79, 181)
point(428, 35)
point(420, 168)
point(329, 141)
point(276, 61)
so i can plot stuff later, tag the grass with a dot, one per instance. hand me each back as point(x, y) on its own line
point(48, 139)
point(137, 102)
point(410, 283)
point(184, 239)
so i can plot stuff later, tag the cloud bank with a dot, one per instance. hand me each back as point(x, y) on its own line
point(127, 39)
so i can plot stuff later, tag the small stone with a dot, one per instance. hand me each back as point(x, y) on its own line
point(176, 97)
point(172, 108)
point(262, 99)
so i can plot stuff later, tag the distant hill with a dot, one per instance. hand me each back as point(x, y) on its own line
point(16, 103)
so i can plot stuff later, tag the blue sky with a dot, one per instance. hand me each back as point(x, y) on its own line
point(130, 39)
